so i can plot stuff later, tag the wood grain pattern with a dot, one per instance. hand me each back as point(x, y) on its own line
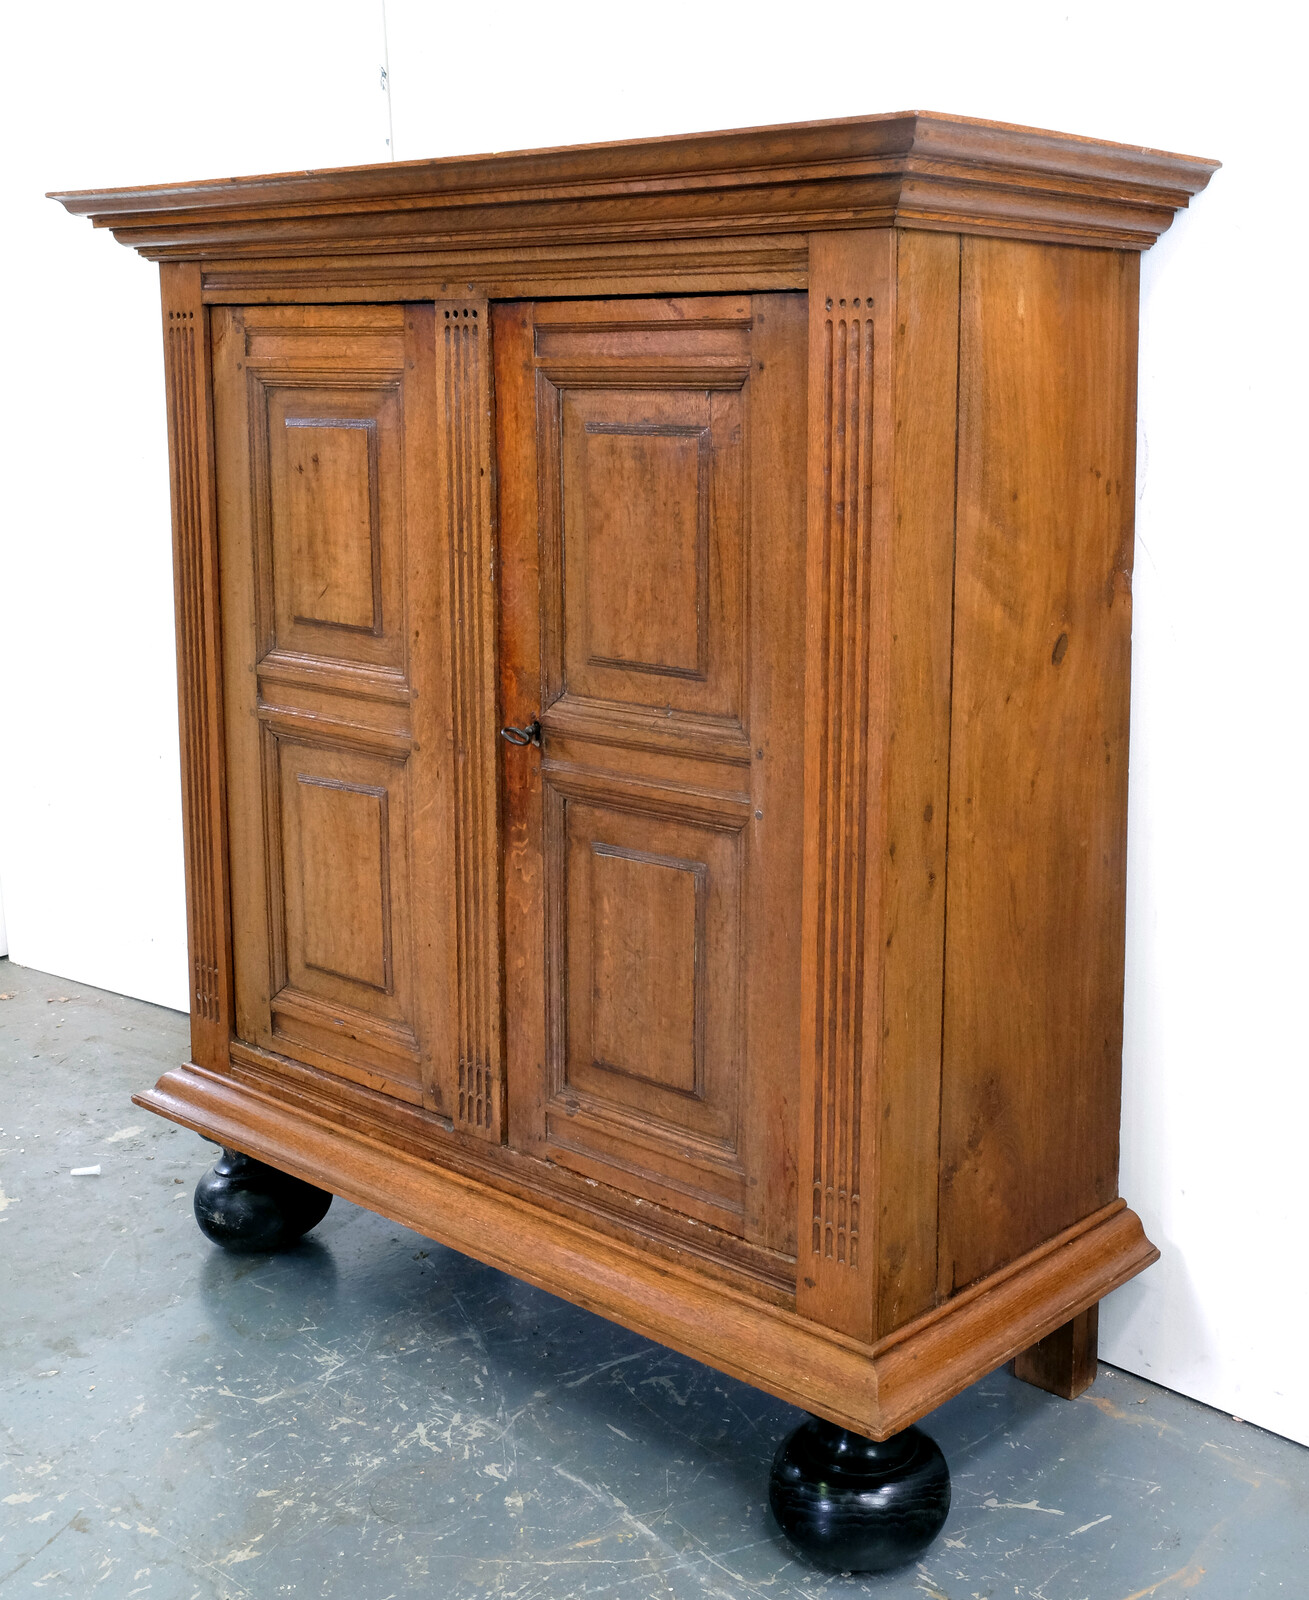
point(665, 484)
point(849, 454)
point(200, 704)
point(1064, 1362)
point(876, 1389)
point(1038, 762)
point(915, 799)
point(771, 1005)
point(464, 407)
point(907, 168)
point(337, 691)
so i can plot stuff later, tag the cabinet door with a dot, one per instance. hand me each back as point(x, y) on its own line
point(651, 483)
point(339, 781)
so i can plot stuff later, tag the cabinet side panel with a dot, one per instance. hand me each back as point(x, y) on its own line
point(926, 343)
point(1038, 757)
point(200, 711)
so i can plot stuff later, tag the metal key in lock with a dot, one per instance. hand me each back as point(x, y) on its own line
point(531, 734)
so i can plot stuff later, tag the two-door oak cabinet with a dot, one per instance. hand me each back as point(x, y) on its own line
point(653, 625)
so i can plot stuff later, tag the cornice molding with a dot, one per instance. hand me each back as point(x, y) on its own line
point(913, 169)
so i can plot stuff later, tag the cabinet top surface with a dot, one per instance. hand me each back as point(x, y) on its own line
point(916, 169)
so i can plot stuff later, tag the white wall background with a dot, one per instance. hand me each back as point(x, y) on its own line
point(1216, 1104)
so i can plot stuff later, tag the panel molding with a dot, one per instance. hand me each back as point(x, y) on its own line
point(199, 676)
point(463, 375)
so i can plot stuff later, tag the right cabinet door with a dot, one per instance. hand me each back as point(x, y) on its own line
point(651, 459)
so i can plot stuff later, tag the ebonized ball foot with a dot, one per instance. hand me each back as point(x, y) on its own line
point(244, 1205)
point(853, 1505)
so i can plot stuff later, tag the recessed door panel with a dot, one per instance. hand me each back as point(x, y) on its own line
point(338, 837)
point(649, 968)
point(652, 494)
point(327, 534)
point(650, 543)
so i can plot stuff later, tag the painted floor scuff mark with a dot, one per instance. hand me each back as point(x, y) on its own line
point(993, 1504)
point(1185, 1578)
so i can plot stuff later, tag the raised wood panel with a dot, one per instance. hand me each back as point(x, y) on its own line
point(341, 840)
point(642, 429)
point(643, 487)
point(463, 406)
point(343, 832)
point(328, 464)
point(328, 496)
point(1038, 760)
point(199, 677)
point(645, 916)
point(666, 486)
point(338, 675)
point(646, 962)
point(338, 824)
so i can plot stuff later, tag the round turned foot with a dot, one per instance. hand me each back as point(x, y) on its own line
point(244, 1205)
point(853, 1505)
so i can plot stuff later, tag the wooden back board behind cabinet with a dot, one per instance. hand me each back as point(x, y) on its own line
point(651, 482)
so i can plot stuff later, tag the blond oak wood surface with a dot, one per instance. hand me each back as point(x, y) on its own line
point(876, 1389)
point(199, 684)
point(1038, 759)
point(772, 1004)
point(333, 578)
point(915, 168)
point(650, 546)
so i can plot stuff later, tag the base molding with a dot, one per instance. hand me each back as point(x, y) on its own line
point(875, 1390)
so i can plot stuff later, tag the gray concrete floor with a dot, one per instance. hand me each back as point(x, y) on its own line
point(373, 1417)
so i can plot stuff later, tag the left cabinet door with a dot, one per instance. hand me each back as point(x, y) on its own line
point(334, 635)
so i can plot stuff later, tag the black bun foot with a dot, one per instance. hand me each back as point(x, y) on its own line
point(853, 1505)
point(244, 1205)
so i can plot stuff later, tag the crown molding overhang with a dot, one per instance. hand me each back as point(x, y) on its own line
point(907, 169)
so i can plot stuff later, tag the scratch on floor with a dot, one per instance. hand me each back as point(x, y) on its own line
point(1103, 1404)
point(1185, 1578)
point(594, 1372)
point(1244, 1471)
point(1019, 1505)
point(1095, 1523)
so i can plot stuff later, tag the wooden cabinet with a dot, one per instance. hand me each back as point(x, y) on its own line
point(771, 493)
